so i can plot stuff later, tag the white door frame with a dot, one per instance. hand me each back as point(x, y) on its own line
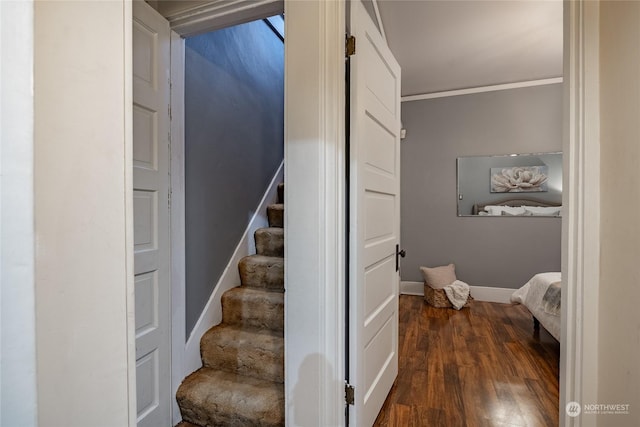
point(315, 220)
point(188, 20)
point(177, 221)
point(581, 217)
point(17, 234)
point(314, 149)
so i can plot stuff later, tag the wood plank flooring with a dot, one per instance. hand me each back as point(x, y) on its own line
point(481, 366)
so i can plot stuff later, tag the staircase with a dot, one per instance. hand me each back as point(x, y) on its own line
point(241, 382)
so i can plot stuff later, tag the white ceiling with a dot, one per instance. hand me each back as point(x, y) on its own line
point(444, 45)
point(453, 44)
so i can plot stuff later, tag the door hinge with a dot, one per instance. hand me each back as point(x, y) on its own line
point(350, 46)
point(349, 394)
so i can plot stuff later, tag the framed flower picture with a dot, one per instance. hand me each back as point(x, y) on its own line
point(519, 179)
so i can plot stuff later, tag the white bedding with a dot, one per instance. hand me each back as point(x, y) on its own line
point(531, 295)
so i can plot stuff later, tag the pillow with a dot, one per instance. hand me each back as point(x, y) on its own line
point(493, 210)
point(518, 213)
point(543, 210)
point(439, 277)
point(511, 210)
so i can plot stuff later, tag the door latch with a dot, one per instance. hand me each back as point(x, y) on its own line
point(399, 253)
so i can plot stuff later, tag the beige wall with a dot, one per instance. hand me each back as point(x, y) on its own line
point(81, 175)
point(619, 332)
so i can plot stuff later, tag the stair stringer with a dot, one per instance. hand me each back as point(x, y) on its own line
point(212, 313)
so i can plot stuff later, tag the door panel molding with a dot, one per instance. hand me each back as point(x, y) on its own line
point(151, 231)
point(374, 208)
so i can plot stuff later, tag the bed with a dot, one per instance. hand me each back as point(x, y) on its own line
point(517, 207)
point(541, 295)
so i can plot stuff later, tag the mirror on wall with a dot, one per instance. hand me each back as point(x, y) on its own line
point(510, 185)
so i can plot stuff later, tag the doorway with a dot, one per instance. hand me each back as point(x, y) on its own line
point(227, 99)
point(319, 210)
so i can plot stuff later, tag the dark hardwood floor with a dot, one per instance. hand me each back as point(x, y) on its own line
point(481, 366)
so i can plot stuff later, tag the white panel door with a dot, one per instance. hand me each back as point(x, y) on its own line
point(374, 218)
point(151, 35)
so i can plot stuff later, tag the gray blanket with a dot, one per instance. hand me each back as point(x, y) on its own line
point(551, 300)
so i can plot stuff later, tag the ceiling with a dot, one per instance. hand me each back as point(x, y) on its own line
point(441, 45)
point(444, 45)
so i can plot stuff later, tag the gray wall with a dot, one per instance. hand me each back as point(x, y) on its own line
point(501, 252)
point(234, 130)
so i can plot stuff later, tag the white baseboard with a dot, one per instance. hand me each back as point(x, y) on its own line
point(212, 314)
point(480, 293)
point(489, 294)
point(411, 288)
